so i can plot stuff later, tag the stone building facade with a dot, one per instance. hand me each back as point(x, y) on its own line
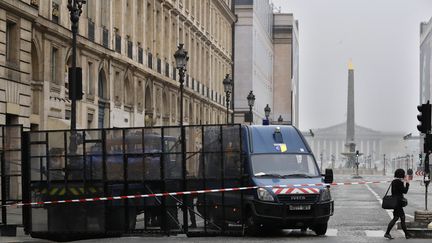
point(425, 61)
point(125, 49)
point(266, 62)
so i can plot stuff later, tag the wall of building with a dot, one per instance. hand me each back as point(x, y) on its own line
point(125, 49)
point(283, 47)
point(425, 61)
point(264, 62)
point(15, 62)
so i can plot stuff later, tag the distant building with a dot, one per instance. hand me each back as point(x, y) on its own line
point(266, 62)
point(328, 144)
point(425, 61)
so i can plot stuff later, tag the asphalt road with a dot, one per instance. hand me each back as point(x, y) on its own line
point(358, 217)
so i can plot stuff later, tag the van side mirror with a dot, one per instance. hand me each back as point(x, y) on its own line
point(328, 176)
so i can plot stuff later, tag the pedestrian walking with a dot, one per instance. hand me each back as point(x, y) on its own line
point(399, 186)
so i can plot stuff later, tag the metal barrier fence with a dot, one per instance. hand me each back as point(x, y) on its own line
point(130, 161)
point(10, 175)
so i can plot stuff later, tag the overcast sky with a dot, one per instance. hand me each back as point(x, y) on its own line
point(382, 39)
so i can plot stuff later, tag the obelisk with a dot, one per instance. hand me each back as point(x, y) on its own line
point(350, 146)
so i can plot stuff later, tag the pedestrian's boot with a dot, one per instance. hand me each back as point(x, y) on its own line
point(408, 235)
point(388, 236)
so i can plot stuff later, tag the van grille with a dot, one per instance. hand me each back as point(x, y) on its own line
point(298, 198)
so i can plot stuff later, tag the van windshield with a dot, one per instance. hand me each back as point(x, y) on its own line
point(284, 165)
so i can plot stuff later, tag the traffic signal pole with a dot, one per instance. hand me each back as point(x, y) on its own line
point(425, 127)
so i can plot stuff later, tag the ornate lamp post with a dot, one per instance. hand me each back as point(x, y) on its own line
point(251, 102)
point(181, 58)
point(75, 9)
point(267, 111)
point(280, 119)
point(227, 83)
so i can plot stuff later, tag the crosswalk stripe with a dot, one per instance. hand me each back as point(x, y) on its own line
point(331, 232)
point(374, 233)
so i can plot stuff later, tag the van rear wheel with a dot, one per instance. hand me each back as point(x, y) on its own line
point(320, 229)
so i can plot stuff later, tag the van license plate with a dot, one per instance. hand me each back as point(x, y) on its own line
point(299, 207)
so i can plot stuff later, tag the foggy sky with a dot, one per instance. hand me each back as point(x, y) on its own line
point(382, 38)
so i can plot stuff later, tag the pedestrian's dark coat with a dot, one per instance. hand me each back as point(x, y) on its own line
point(398, 189)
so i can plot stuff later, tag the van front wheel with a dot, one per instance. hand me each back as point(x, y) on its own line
point(252, 227)
point(320, 229)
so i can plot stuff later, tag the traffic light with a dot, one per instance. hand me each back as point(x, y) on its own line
point(424, 117)
point(76, 94)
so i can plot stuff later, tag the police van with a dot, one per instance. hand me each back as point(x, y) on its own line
point(273, 156)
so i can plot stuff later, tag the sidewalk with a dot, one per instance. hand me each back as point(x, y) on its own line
point(21, 237)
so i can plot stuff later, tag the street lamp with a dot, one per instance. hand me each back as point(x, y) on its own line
point(227, 83)
point(280, 119)
point(181, 58)
point(251, 102)
point(75, 9)
point(267, 111)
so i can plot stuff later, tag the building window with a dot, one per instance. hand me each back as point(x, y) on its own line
point(117, 43)
point(150, 60)
point(11, 42)
point(54, 69)
point(90, 75)
point(167, 69)
point(159, 65)
point(67, 114)
point(89, 120)
point(130, 48)
point(55, 12)
point(105, 37)
point(91, 30)
point(140, 55)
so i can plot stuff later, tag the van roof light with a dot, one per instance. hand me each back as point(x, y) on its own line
point(278, 135)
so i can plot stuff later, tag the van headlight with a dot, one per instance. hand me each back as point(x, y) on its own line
point(325, 195)
point(264, 195)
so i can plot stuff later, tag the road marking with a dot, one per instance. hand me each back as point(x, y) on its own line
point(374, 233)
point(389, 211)
point(331, 232)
